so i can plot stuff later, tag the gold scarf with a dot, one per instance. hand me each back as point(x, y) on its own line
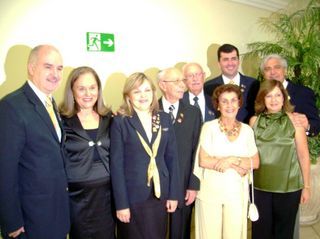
point(152, 168)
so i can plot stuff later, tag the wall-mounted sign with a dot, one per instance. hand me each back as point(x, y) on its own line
point(100, 41)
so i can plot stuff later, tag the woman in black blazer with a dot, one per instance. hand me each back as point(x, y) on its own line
point(86, 122)
point(144, 163)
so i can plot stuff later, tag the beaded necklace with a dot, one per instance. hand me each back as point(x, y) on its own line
point(234, 131)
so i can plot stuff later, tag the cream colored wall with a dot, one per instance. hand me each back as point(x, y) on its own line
point(149, 35)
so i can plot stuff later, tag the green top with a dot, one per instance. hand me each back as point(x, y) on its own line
point(279, 169)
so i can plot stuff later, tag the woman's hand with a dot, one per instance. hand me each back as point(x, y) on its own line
point(241, 171)
point(305, 195)
point(225, 163)
point(124, 215)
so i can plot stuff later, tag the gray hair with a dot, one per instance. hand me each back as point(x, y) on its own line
point(282, 61)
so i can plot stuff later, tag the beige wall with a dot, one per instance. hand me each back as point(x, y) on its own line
point(149, 35)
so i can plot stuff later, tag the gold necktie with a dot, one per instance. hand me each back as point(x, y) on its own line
point(231, 82)
point(152, 167)
point(52, 115)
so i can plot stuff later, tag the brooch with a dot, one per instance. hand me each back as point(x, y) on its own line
point(155, 123)
point(180, 118)
point(242, 88)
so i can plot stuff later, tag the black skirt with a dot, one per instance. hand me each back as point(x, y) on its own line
point(148, 220)
point(91, 210)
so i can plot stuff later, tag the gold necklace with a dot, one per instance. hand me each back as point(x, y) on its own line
point(230, 132)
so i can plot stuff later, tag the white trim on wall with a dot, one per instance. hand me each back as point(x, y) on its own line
point(271, 5)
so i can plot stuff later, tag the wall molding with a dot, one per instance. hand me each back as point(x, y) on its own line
point(270, 5)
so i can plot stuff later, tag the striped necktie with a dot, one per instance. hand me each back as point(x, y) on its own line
point(171, 108)
point(196, 104)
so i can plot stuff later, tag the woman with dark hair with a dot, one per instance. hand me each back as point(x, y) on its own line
point(86, 123)
point(144, 163)
point(225, 153)
point(283, 179)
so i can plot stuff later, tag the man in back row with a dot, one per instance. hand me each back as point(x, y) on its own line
point(228, 57)
point(194, 79)
point(275, 67)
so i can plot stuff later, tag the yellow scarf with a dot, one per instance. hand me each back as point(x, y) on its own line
point(152, 168)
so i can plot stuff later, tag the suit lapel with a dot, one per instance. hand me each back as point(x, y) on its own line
point(40, 109)
point(290, 90)
point(76, 126)
point(180, 114)
point(103, 126)
point(135, 122)
point(219, 80)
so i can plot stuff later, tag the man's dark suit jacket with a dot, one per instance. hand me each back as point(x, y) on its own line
point(210, 112)
point(303, 99)
point(129, 160)
point(79, 150)
point(33, 185)
point(249, 88)
point(187, 127)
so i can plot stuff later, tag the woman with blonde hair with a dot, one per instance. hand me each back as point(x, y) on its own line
point(144, 163)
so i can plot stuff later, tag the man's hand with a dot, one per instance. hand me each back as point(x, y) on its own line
point(190, 197)
point(16, 233)
point(124, 215)
point(171, 205)
point(300, 120)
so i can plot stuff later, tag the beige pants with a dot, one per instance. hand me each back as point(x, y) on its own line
point(227, 220)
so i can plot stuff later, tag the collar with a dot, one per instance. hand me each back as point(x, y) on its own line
point(285, 83)
point(166, 104)
point(236, 79)
point(42, 96)
point(200, 96)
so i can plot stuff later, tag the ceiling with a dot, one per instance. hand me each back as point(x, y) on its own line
point(271, 5)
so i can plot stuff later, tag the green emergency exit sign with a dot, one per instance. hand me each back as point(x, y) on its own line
point(100, 42)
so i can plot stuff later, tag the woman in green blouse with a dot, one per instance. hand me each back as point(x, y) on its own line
point(283, 178)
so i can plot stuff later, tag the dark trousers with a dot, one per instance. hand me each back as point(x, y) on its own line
point(180, 223)
point(148, 220)
point(21, 236)
point(91, 210)
point(277, 214)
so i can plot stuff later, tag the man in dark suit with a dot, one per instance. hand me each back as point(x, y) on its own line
point(187, 122)
point(275, 67)
point(194, 79)
point(33, 185)
point(228, 57)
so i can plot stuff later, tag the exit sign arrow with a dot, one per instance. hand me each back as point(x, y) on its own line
point(103, 42)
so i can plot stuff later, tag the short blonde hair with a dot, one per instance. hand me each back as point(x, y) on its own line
point(133, 82)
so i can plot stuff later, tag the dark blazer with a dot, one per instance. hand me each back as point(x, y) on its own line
point(129, 160)
point(80, 147)
point(303, 99)
point(187, 130)
point(249, 88)
point(33, 184)
point(210, 112)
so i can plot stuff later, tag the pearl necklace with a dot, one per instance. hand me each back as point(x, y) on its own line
point(230, 132)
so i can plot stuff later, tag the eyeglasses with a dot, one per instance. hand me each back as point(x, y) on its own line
point(195, 75)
